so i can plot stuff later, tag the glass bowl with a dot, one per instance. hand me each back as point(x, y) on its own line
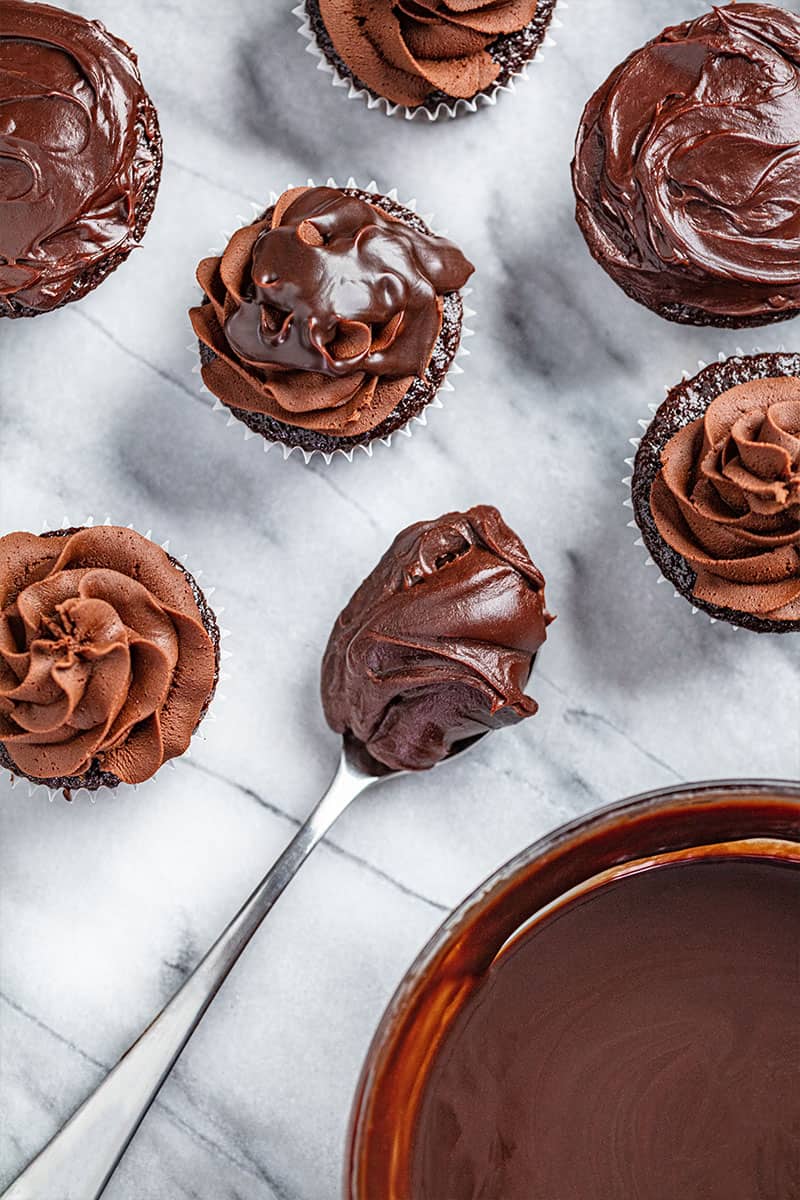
point(439, 982)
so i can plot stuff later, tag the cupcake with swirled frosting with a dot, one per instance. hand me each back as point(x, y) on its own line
point(687, 169)
point(431, 57)
point(332, 320)
point(716, 491)
point(109, 657)
point(80, 156)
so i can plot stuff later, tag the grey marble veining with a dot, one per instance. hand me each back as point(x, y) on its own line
point(104, 907)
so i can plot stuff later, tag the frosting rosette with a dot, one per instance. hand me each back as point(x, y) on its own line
point(437, 644)
point(687, 169)
point(80, 156)
point(727, 499)
point(322, 313)
point(406, 50)
point(106, 664)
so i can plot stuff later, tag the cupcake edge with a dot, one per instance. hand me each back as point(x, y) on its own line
point(424, 393)
point(711, 379)
point(312, 30)
point(682, 314)
point(95, 779)
point(93, 275)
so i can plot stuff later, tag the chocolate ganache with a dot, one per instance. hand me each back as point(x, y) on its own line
point(105, 660)
point(437, 644)
point(637, 1041)
point(80, 156)
point(323, 312)
point(727, 499)
point(687, 169)
point(409, 49)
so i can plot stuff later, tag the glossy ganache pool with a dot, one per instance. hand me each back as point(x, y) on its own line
point(614, 1015)
point(638, 1041)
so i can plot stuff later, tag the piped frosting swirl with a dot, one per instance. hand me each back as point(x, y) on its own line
point(406, 50)
point(727, 499)
point(104, 658)
point(322, 313)
point(437, 644)
point(687, 167)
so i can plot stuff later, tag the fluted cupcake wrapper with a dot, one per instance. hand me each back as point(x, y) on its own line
point(627, 479)
point(455, 369)
point(32, 788)
point(447, 111)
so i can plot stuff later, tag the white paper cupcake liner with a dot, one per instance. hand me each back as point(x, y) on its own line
point(627, 480)
point(457, 108)
point(31, 788)
point(454, 370)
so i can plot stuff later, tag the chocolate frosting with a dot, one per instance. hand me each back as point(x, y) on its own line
point(727, 498)
point(437, 644)
point(636, 1042)
point(103, 654)
point(687, 167)
point(405, 50)
point(322, 313)
point(75, 153)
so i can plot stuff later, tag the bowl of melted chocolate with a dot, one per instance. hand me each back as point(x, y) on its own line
point(614, 1015)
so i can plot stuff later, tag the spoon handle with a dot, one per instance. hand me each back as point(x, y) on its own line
point(80, 1160)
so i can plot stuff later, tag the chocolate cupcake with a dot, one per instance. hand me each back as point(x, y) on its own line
point(109, 657)
point(687, 170)
point(80, 156)
point(716, 491)
point(434, 57)
point(332, 320)
point(437, 644)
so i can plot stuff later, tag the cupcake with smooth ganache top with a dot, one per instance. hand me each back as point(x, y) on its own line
point(80, 156)
point(687, 169)
point(716, 491)
point(109, 657)
point(437, 645)
point(437, 57)
point(332, 320)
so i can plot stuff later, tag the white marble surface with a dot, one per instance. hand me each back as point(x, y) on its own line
point(105, 906)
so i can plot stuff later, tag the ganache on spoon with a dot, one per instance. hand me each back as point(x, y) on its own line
point(432, 652)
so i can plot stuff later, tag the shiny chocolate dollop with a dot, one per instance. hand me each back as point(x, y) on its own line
point(104, 657)
point(80, 155)
point(437, 644)
point(405, 50)
point(322, 313)
point(687, 169)
point(727, 499)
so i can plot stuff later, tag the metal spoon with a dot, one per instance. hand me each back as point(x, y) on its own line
point(79, 1161)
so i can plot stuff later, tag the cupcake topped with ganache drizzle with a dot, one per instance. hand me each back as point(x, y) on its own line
point(109, 657)
point(332, 320)
point(687, 169)
point(80, 156)
point(716, 491)
point(432, 55)
point(437, 644)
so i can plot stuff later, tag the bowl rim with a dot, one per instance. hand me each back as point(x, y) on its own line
point(686, 795)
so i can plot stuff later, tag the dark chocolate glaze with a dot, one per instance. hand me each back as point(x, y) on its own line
point(420, 394)
point(687, 169)
point(333, 272)
point(80, 156)
point(637, 1042)
point(437, 644)
point(687, 402)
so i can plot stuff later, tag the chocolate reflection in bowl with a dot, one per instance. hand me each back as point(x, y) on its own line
point(508, 1060)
